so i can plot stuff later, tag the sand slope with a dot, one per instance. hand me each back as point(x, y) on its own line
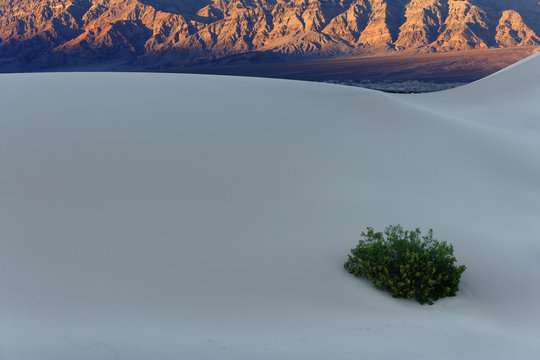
point(159, 217)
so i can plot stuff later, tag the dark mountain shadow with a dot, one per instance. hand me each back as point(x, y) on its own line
point(77, 9)
point(396, 16)
point(135, 31)
point(333, 8)
point(186, 8)
point(436, 28)
point(508, 4)
point(528, 9)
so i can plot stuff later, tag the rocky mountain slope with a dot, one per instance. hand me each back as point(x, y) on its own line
point(49, 33)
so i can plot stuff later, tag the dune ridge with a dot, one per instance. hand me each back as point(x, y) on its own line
point(152, 216)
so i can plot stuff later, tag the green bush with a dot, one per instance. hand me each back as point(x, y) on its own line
point(406, 264)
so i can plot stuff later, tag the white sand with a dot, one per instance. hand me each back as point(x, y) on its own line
point(152, 216)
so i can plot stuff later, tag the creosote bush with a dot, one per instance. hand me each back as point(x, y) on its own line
point(406, 264)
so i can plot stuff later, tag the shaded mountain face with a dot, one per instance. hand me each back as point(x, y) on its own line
point(52, 33)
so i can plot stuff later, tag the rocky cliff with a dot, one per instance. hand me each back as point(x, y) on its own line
point(49, 33)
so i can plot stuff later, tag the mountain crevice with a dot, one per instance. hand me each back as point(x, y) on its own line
point(86, 30)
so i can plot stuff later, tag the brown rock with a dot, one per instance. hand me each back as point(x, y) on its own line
point(50, 32)
point(512, 31)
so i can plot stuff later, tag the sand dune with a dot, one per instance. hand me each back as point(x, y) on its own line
point(151, 216)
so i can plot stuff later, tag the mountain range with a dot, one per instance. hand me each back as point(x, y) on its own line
point(54, 33)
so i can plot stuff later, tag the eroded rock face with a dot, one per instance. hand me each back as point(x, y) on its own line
point(512, 31)
point(53, 32)
point(424, 21)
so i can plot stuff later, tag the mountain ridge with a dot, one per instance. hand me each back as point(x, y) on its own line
point(49, 33)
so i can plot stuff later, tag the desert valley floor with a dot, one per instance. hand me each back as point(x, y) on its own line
point(158, 216)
